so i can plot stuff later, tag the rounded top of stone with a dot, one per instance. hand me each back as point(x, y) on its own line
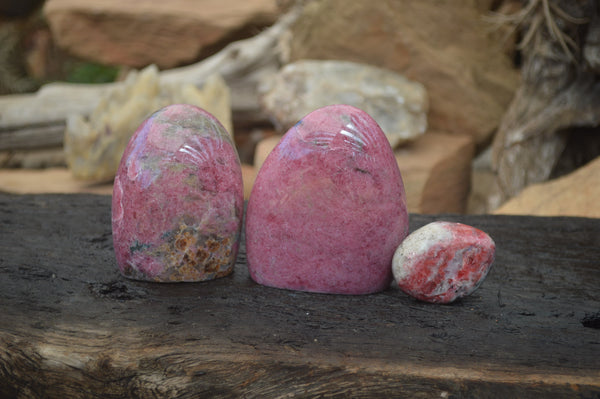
point(339, 126)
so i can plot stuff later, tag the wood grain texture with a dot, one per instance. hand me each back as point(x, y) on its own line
point(72, 327)
point(43, 135)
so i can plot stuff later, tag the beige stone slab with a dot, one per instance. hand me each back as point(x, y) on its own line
point(51, 180)
point(576, 194)
point(436, 170)
point(60, 180)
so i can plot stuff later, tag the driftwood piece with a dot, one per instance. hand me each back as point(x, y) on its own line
point(560, 89)
point(242, 64)
point(71, 327)
point(44, 135)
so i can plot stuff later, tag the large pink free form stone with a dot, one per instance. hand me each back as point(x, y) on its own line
point(443, 261)
point(177, 199)
point(328, 208)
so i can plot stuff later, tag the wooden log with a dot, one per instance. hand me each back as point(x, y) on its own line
point(558, 90)
point(44, 135)
point(72, 327)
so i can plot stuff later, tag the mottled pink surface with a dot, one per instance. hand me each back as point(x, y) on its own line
point(327, 209)
point(178, 199)
point(443, 261)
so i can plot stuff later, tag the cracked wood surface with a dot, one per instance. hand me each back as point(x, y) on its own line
point(72, 327)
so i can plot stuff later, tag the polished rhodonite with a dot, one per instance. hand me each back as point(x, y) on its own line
point(178, 200)
point(443, 261)
point(327, 209)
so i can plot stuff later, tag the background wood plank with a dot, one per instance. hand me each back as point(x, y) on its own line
point(71, 327)
point(43, 135)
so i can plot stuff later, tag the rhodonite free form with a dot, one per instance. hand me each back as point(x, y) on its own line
point(327, 209)
point(177, 200)
point(443, 261)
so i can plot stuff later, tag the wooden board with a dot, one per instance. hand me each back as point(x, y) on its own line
point(71, 326)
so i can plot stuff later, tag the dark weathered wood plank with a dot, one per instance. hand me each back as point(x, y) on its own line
point(71, 327)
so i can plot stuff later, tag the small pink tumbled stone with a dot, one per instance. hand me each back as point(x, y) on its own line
point(443, 261)
point(327, 209)
point(177, 199)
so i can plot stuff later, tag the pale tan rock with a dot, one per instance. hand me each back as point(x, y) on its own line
point(576, 194)
point(261, 152)
point(436, 170)
point(248, 177)
point(447, 46)
point(94, 145)
point(246, 141)
point(263, 149)
point(51, 180)
point(143, 32)
point(397, 104)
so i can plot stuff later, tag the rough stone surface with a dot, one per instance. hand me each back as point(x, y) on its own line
point(397, 104)
point(443, 261)
point(144, 32)
point(327, 210)
point(178, 201)
point(576, 194)
point(94, 145)
point(447, 46)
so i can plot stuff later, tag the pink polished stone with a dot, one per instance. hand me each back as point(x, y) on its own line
point(443, 261)
point(178, 200)
point(327, 209)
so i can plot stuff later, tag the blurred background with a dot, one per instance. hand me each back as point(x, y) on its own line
point(491, 106)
